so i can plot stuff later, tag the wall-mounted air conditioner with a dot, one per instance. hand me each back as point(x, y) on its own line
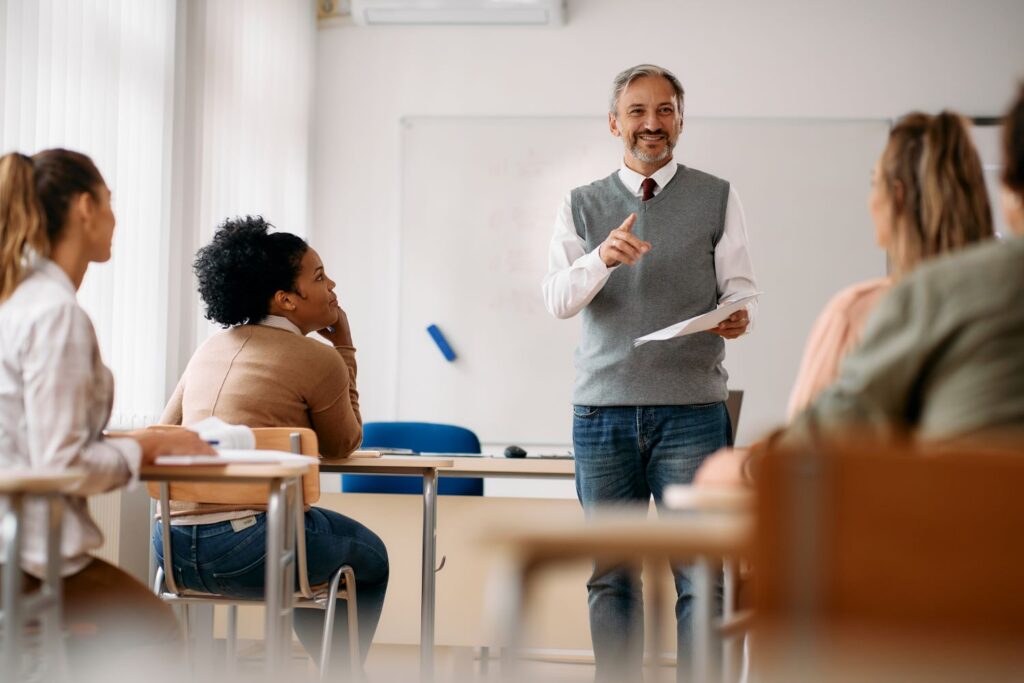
point(459, 12)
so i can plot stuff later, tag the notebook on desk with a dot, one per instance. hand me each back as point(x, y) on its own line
point(370, 453)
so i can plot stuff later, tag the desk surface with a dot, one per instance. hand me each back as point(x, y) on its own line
point(386, 464)
point(455, 466)
point(233, 473)
point(500, 466)
point(618, 537)
point(39, 481)
point(685, 497)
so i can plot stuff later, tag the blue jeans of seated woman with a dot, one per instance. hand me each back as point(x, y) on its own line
point(625, 455)
point(215, 558)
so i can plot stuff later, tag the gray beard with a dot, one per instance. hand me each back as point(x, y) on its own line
point(651, 158)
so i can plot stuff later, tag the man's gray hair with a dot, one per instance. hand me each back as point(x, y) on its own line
point(623, 80)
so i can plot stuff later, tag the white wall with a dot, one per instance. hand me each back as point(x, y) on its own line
point(872, 58)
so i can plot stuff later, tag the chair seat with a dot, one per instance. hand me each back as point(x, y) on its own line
point(319, 599)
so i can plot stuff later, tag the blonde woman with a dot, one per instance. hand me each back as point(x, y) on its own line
point(941, 358)
point(56, 395)
point(927, 198)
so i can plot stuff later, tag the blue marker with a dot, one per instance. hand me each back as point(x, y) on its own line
point(441, 342)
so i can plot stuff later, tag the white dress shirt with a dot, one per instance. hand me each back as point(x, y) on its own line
point(575, 277)
point(55, 400)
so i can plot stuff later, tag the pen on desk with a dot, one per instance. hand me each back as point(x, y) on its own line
point(213, 442)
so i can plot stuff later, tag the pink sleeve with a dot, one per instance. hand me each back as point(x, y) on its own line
point(835, 333)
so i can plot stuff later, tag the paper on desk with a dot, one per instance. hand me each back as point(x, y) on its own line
point(699, 323)
point(218, 432)
point(366, 454)
point(233, 456)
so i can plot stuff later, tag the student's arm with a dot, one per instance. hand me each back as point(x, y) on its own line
point(835, 334)
point(875, 397)
point(334, 404)
point(574, 277)
point(336, 421)
point(878, 392)
point(172, 414)
point(64, 380)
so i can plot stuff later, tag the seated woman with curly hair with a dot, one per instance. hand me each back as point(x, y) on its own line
point(270, 290)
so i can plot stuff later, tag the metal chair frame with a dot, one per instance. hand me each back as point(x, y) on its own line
point(46, 603)
point(323, 596)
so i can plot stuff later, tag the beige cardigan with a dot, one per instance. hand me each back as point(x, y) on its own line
point(263, 376)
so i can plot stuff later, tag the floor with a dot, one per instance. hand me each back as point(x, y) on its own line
point(388, 663)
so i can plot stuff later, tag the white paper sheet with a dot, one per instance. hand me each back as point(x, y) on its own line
point(699, 323)
point(223, 435)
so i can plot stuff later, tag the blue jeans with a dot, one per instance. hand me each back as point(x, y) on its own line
point(214, 558)
point(624, 455)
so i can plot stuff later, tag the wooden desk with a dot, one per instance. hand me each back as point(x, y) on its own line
point(428, 468)
point(498, 466)
point(281, 478)
point(15, 486)
point(687, 499)
point(626, 538)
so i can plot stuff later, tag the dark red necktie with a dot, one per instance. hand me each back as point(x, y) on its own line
point(648, 186)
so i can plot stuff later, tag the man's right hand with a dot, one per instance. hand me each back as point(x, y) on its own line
point(622, 246)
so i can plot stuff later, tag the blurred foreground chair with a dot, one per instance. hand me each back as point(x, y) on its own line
point(421, 437)
point(910, 557)
point(342, 584)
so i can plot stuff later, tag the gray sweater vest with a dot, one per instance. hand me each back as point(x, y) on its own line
point(674, 281)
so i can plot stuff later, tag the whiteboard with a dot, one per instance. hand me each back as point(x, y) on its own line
point(478, 201)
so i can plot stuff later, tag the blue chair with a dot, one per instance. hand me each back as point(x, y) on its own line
point(422, 437)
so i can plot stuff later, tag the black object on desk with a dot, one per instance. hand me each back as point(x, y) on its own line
point(515, 452)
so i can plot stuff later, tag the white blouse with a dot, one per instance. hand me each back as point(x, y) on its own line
point(55, 399)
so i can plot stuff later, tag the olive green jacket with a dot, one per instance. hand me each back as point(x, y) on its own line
point(942, 356)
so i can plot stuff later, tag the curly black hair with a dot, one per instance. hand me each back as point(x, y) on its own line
point(243, 267)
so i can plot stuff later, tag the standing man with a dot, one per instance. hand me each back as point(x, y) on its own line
point(650, 245)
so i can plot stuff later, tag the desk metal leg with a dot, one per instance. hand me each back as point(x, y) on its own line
point(428, 588)
point(276, 510)
point(293, 506)
point(53, 591)
point(704, 647)
point(12, 587)
point(732, 646)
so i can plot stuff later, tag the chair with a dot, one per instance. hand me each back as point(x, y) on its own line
point(904, 545)
point(421, 437)
point(733, 405)
point(342, 584)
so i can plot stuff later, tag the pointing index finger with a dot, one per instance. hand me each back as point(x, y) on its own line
point(627, 224)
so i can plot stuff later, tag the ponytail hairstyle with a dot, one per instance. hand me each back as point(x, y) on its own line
point(35, 193)
point(934, 175)
point(245, 265)
point(1013, 145)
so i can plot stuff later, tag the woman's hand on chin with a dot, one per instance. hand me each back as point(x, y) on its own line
point(339, 334)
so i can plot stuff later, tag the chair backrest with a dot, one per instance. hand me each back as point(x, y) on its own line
point(422, 437)
point(267, 438)
point(733, 405)
point(914, 540)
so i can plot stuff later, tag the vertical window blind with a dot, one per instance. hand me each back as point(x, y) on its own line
point(193, 111)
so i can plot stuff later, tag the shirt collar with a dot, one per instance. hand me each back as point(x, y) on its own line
point(54, 272)
point(281, 323)
point(631, 179)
